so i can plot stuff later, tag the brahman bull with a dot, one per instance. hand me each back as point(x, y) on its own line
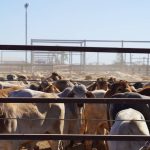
point(126, 124)
point(73, 111)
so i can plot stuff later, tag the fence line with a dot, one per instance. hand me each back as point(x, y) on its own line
point(75, 49)
point(75, 100)
point(33, 119)
point(74, 137)
point(68, 100)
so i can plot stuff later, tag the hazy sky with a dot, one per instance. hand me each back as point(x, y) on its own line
point(75, 19)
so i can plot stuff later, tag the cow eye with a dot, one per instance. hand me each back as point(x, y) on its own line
point(119, 90)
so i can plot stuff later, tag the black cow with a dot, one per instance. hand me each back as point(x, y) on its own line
point(143, 108)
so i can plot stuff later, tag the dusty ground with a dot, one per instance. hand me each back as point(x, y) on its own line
point(117, 74)
point(43, 145)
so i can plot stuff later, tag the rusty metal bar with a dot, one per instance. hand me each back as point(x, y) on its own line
point(75, 49)
point(74, 100)
point(73, 137)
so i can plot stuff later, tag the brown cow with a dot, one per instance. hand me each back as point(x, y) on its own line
point(95, 116)
point(54, 77)
point(48, 87)
point(145, 91)
point(100, 84)
point(118, 87)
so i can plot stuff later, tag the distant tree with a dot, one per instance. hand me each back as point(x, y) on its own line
point(119, 59)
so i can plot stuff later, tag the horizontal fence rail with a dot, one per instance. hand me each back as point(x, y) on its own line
point(89, 81)
point(75, 49)
point(74, 137)
point(74, 100)
point(80, 40)
point(70, 119)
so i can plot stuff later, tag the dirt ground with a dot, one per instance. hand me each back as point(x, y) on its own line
point(43, 145)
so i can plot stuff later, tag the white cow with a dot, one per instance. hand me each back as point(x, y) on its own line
point(126, 124)
point(73, 111)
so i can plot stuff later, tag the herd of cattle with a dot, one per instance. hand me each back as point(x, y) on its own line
point(74, 118)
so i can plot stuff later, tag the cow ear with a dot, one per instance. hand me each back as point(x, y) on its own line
point(1, 86)
point(71, 94)
point(109, 86)
point(59, 77)
point(56, 89)
point(90, 95)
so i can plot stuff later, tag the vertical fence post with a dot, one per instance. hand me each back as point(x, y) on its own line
point(122, 45)
point(147, 65)
point(84, 56)
point(31, 58)
point(26, 29)
point(122, 60)
point(70, 63)
point(1, 56)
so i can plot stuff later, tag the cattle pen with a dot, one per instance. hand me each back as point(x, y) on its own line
point(103, 100)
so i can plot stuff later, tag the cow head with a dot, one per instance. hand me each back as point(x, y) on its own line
point(80, 91)
point(22, 78)
point(102, 84)
point(55, 76)
point(138, 85)
point(34, 86)
point(62, 84)
point(48, 87)
point(118, 87)
point(11, 77)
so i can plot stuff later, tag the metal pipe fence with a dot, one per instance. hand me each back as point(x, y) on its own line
point(73, 136)
point(81, 58)
point(68, 100)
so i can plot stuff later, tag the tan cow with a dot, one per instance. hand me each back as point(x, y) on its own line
point(5, 92)
point(37, 113)
point(95, 116)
